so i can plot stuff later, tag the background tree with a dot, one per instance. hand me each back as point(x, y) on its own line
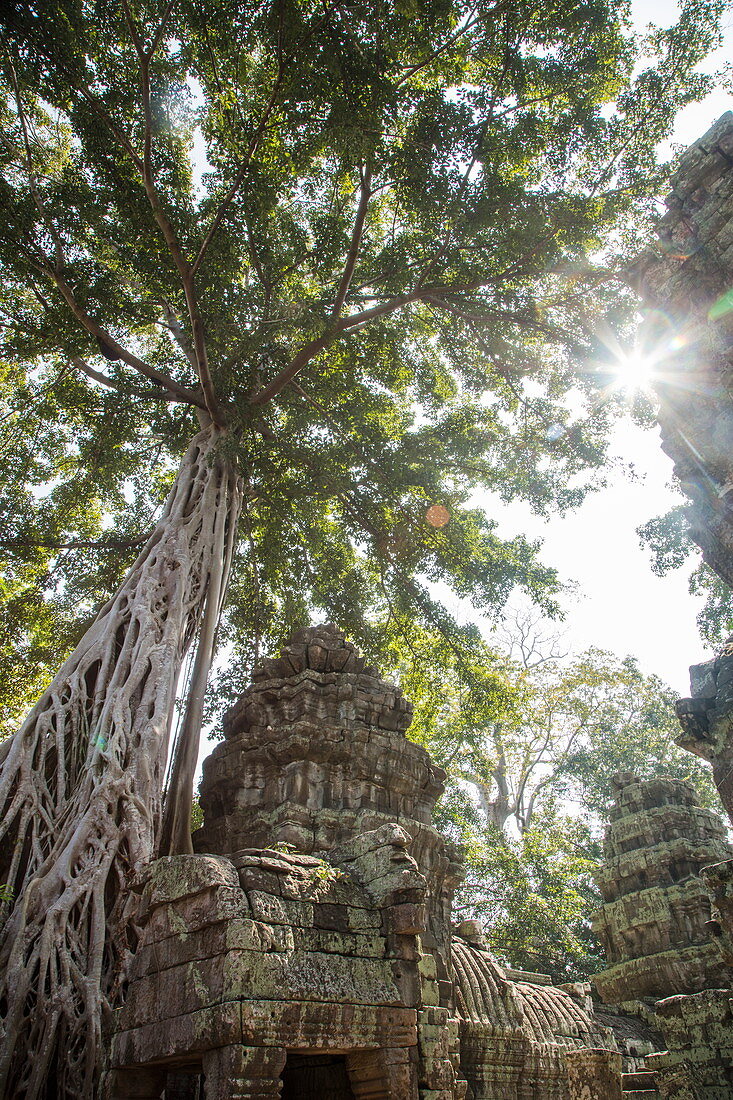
point(332, 324)
point(671, 547)
point(530, 738)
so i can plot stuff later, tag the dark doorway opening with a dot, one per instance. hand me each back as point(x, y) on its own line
point(316, 1077)
point(184, 1084)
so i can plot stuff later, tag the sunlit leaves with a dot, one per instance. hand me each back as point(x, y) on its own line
point(497, 164)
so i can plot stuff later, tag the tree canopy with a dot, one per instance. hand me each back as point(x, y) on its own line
point(531, 737)
point(350, 231)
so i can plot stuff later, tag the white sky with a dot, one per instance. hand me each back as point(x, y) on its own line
point(619, 604)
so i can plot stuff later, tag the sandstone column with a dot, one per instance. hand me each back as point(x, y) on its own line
point(243, 1073)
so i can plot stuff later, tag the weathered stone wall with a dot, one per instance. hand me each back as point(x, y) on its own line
point(315, 752)
point(243, 959)
point(698, 1061)
point(687, 275)
point(707, 720)
point(656, 907)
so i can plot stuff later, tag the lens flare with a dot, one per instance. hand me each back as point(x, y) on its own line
point(437, 515)
point(634, 370)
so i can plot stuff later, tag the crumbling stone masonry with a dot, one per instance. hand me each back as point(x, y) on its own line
point(312, 954)
point(664, 857)
point(656, 907)
point(686, 277)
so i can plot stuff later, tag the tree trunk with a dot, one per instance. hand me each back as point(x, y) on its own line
point(81, 788)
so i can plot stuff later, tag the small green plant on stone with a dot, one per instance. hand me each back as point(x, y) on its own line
point(322, 875)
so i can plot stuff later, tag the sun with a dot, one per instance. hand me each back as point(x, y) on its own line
point(634, 370)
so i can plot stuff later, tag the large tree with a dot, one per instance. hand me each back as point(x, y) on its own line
point(340, 236)
point(530, 738)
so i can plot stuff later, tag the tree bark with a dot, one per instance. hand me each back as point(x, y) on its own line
point(81, 788)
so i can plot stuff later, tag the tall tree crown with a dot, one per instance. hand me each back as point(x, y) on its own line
point(349, 233)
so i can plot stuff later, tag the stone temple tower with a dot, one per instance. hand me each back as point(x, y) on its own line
point(315, 753)
point(655, 904)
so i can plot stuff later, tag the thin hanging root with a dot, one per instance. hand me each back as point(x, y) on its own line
point(80, 788)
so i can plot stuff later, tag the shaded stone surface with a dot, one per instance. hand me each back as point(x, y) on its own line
point(656, 907)
point(706, 719)
point(687, 277)
point(687, 274)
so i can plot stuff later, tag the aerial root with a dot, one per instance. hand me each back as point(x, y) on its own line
point(81, 788)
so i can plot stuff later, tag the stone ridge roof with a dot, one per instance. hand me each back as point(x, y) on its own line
point(542, 1013)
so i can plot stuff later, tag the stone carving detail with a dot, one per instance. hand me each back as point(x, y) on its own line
point(718, 878)
point(656, 907)
point(315, 752)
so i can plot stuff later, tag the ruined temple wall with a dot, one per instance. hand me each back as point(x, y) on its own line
point(654, 921)
point(687, 276)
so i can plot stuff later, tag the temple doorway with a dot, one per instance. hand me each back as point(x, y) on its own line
point(316, 1077)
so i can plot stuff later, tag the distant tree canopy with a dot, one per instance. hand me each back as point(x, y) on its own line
point(671, 547)
point(530, 738)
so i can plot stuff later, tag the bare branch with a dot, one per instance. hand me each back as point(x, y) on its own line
point(77, 544)
point(182, 393)
point(176, 328)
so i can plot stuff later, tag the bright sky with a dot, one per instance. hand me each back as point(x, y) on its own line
point(620, 605)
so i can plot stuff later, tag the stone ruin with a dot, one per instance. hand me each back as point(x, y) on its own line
point(311, 954)
point(307, 951)
point(656, 908)
point(659, 930)
point(686, 278)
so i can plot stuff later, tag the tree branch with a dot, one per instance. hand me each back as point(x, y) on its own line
point(182, 393)
point(47, 221)
point(239, 178)
point(105, 380)
point(184, 268)
point(176, 328)
point(77, 544)
point(304, 356)
point(356, 236)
